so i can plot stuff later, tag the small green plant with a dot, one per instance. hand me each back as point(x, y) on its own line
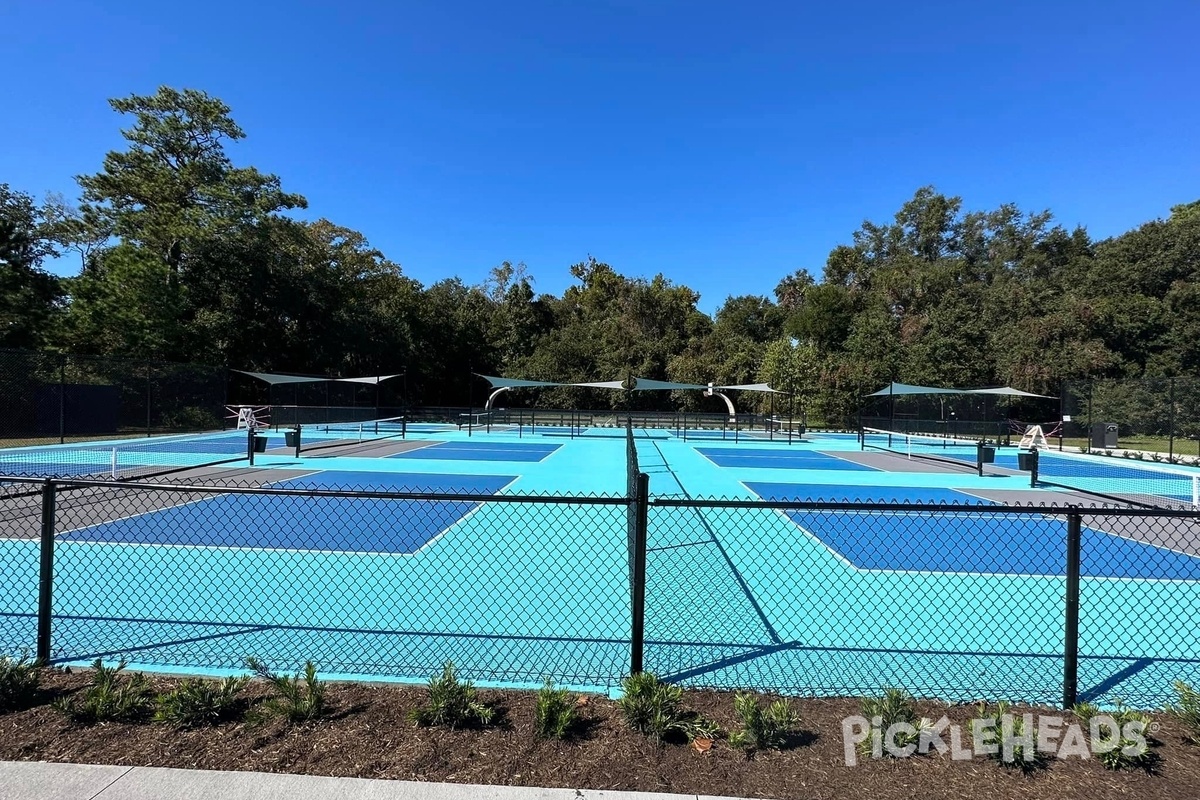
point(893, 707)
point(655, 709)
point(200, 702)
point(1126, 747)
point(766, 728)
point(452, 703)
point(1022, 752)
point(555, 713)
point(297, 698)
point(1187, 710)
point(110, 697)
point(18, 682)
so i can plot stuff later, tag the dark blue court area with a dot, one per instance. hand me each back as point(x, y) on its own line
point(481, 451)
point(287, 522)
point(1003, 544)
point(775, 459)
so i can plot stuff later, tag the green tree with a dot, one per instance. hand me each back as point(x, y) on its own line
point(29, 296)
point(175, 185)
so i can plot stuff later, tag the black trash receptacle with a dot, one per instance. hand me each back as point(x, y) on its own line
point(292, 438)
point(989, 455)
point(260, 444)
point(1025, 460)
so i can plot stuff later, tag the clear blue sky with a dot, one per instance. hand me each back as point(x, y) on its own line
point(723, 144)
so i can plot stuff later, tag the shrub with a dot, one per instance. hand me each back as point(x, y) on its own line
point(452, 703)
point(1116, 750)
point(767, 728)
point(555, 713)
point(893, 707)
point(297, 698)
point(200, 702)
point(1187, 710)
point(109, 698)
point(1018, 754)
point(18, 682)
point(655, 709)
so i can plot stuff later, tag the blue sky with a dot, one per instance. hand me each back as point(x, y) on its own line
point(722, 144)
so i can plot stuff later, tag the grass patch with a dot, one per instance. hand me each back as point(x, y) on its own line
point(655, 709)
point(555, 713)
point(18, 682)
point(769, 727)
point(1186, 709)
point(200, 702)
point(1119, 738)
point(296, 698)
point(452, 703)
point(112, 697)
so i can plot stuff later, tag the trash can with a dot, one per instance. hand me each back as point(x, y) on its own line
point(1026, 459)
point(292, 438)
point(1104, 435)
point(989, 455)
point(260, 444)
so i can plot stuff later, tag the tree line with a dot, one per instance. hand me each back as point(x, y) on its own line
point(185, 256)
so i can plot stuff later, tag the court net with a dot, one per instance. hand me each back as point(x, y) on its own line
point(485, 421)
point(125, 460)
point(1122, 480)
point(931, 447)
point(342, 434)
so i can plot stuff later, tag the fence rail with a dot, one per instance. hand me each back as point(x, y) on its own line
point(1038, 603)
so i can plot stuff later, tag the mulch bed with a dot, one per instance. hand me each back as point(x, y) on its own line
point(368, 735)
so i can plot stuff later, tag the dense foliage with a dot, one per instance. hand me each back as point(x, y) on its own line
point(185, 256)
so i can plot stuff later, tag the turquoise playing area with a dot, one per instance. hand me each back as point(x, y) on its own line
point(957, 605)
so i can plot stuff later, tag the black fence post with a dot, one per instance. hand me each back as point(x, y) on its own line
point(149, 396)
point(1171, 422)
point(62, 399)
point(638, 605)
point(1071, 636)
point(46, 573)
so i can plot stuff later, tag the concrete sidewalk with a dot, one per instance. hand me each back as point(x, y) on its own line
point(38, 780)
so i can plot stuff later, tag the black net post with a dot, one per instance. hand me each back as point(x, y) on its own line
point(638, 594)
point(250, 444)
point(46, 573)
point(1071, 628)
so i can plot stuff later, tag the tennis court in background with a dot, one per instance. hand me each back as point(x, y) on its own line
point(950, 604)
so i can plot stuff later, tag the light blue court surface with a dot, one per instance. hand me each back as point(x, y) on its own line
point(955, 606)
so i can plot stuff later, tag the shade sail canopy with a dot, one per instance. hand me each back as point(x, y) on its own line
point(1008, 391)
point(639, 384)
point(896, 389)
point(374, 379)
point(274, 378)
point(514, 383)
point(752, 387)
point(598, 385)
point(648, 384)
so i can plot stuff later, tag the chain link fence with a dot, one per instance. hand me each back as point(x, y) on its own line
point(1042, 604)
point(1159, 415)
point(53, 397)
